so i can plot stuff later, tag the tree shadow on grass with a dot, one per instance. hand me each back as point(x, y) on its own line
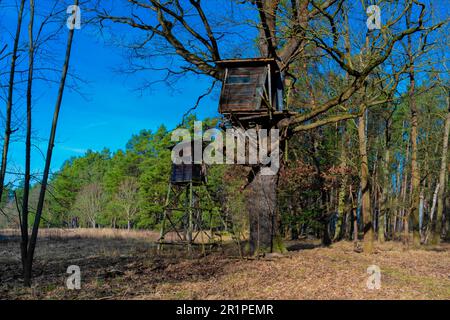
point(299, 246)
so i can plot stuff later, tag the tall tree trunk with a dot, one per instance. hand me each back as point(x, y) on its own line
point(365, 185)
point(354, 217)
point(261, 206)
point(9, 102)
point(348, 220)
point(40, 205)
point(341, 210)
point(415, 175)
point(384, 202)
point(26, 187)
point(446, 225)
point(415, 178)
point(432, 210)
point(342, 190)
point(437, 224)
point(385, 192)
point(403, 221)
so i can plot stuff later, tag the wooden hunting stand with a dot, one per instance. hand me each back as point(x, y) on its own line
point(252, 97)
point(252, 92)
point(187, 180)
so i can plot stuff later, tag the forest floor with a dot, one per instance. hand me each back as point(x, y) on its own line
point(121, 265)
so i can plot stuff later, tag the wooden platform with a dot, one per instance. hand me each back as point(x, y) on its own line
point(265, 118)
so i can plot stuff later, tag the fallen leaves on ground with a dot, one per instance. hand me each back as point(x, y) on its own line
point(130, 268)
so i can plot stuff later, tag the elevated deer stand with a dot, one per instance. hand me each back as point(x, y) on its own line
point(183, 195)
point(252, 97)
point(252, 92)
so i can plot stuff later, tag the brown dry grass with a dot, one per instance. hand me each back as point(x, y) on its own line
point(124, 265)
point(104, 233)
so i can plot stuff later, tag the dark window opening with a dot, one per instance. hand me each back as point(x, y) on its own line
point(239, 79)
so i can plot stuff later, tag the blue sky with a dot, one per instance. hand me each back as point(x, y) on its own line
point(108, 109)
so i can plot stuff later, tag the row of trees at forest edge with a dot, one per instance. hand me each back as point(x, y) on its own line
point(127, 189)
point(367, 151)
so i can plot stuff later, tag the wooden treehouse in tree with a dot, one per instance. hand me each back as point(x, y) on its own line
point(252, 91)
point(252, 96)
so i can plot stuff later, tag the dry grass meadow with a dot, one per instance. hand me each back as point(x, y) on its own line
point(125, 265)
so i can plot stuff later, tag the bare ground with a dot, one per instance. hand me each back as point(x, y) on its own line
point(122, 265)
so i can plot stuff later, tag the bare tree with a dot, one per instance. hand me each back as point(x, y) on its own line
point(9, 102)
point(26, 187)
point(437, 223)
point(28, 245)
point(127, 199)
point(415, 175)
point(90, 203)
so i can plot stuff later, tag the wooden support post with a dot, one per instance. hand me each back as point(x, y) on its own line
point(163, 223)
point(190, 215)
